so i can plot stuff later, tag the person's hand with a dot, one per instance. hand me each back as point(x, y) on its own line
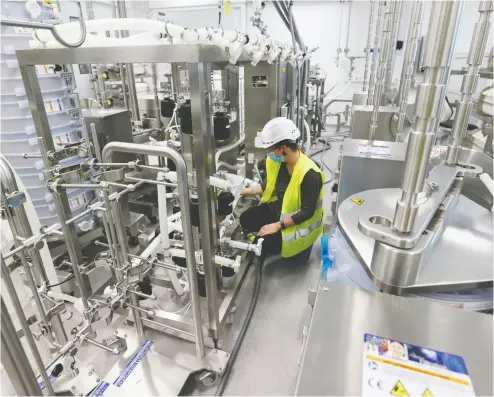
point(246, 192)
point(269, 229)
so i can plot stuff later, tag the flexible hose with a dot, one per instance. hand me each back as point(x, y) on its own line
point(253, 303)
point(82, 38)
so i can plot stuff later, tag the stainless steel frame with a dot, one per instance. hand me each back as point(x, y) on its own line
point(197, 60)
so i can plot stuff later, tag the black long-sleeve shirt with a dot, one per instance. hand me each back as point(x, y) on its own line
point(310, 188)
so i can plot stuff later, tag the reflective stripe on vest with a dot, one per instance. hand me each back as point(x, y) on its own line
point(301, 232)
point(272, 168)
point(284, 217)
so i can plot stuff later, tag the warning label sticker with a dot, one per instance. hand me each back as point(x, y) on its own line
point(358, 201)
point(401, 369)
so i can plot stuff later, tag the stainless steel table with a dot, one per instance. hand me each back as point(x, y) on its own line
point(332, 363)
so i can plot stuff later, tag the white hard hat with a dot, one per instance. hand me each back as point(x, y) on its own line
point(277, 130)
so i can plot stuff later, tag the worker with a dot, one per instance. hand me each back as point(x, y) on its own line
point(290, 216)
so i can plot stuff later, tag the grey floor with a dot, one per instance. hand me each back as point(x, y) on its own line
point(267, 363)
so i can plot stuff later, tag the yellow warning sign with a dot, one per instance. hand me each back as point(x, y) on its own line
point(358, 201)
point(427, 393)
point(227, 7)
point(399, 390)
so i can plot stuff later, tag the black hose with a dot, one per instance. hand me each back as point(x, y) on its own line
point(450, 108)
point(253, 303)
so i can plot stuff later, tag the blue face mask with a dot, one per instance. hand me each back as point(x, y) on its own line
point(275, 158)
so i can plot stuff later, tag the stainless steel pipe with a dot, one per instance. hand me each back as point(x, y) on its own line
point(74, 251)
point(369, 44)
point(375, 53)
point(25, 326)
point(395, 7)
point(134, 105)
point(14, 359)
point(183, 189)
point(380, 75)
point(157, 106)
point(413, 36)
point(439, 49)
point(21, 227)
point(470, 79)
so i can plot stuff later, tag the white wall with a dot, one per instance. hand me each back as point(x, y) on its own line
point(319, 22)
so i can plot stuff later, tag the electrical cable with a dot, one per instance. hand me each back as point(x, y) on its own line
point(450, 107)
point(63, 282)
point(255, 295)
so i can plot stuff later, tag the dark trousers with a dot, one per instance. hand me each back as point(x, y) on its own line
point(254, 218)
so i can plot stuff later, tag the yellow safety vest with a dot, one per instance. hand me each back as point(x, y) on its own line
point(298, 237)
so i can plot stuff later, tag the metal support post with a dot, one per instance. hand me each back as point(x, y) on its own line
point(101, 84)
point(409, 64)
point(470, 79)
point(369, 44)
point(375, 54)
point(24, 324)
point(124, 85)
point(395, 7)
point(134, 105)
point(381, 69)
point(439, 50)
point(200, 92)
point(15, 361)
point(157, 106)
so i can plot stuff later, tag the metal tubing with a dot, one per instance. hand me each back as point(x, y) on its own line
point(438, 55)
point(21, 227)
point(146, 296)
point(369, 44)
point(94, 136)
point(101, 84)
point(101, 346)
point(14, 359)
point(381, 69)
point(146, 320)
point(395, 6)
point(124, 85)
point(347, 50)
point(200, 84)
point(183, 189)
point(375, 54)
point(74, 250)
point(134, 105)
point(25, 24)
point(133, 92)
point(25, 326)
point(409, 64)
point(470, 79)
point(157, 106)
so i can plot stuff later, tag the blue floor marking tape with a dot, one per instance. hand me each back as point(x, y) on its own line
point(100, 389)
point(42, 383)
point(133, 363)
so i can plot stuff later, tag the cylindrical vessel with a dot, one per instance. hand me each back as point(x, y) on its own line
point(395, 7)
point(375, 52)
point(470, 79)
point(381, 70)
point(439, 49)
point(369, 44)
point(408, 64)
